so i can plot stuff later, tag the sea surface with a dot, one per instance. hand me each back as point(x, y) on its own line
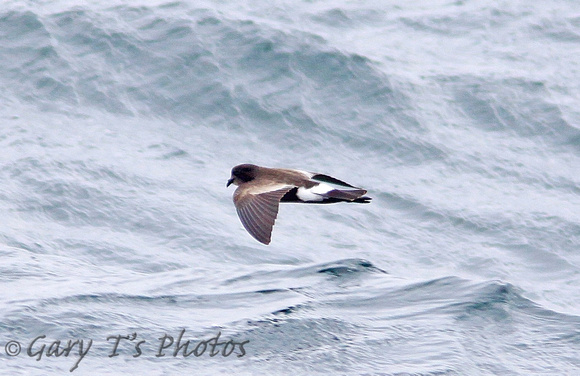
point(121, 120)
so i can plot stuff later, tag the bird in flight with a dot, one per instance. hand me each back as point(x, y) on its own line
point(261, 189)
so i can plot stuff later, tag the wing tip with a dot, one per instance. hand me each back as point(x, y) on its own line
point(258, 214)
point(363, 200)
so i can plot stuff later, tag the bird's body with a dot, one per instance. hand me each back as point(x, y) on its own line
point(261, 189)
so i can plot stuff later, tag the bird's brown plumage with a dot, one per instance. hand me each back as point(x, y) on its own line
point(260, 191)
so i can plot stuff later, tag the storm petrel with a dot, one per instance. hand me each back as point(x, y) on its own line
point(260, 191)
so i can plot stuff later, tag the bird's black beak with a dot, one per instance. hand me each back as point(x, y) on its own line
point(230, 182)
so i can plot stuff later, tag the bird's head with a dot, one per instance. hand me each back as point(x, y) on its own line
point(242, 174)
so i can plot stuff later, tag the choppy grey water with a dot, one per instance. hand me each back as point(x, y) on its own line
point(120, 122)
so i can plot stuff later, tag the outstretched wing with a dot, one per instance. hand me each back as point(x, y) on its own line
point(258, 211)
point(329, 179)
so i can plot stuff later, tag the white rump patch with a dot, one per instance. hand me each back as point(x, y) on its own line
point(316, 193)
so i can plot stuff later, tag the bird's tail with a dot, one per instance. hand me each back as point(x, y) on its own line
point(350, 195)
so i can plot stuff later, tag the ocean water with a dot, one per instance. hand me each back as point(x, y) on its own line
point(120, 122)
